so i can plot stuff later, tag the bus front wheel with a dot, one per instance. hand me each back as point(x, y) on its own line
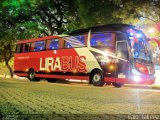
point(31, 75)
point(117, 85)
point(97, 78)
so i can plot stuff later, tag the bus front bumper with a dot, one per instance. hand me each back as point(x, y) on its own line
point(132, 80)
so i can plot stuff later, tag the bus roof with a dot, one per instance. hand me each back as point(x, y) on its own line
point(39, 39)
point(103, 28)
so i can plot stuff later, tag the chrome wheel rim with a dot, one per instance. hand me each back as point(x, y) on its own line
point(31, 75)
point(97, 77)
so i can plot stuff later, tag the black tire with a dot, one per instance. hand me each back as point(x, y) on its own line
point(90, 81)
point(97, 78)
point(31, 75)
point(117, 85)
point(53, 80)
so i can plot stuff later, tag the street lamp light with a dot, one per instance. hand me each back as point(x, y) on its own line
point(151, 30)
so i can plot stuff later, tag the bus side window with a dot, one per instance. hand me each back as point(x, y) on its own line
point(19, 48)
point(40, 45)
point(80, 39)
point(122, 36)
point(67, 42)
point(67, 45)
point(122, 50)
point(103, 40)
point(74, 41)
point(54, 44)
point(26, 47)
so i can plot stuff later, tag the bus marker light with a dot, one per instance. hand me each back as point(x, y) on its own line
point(131, 33)
point(111, 67)
point(26, 70)
point(55, 52)
point(74, 71)
point(139, 35)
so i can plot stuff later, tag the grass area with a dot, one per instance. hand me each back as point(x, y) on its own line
point(3, 68)
point(155, 86)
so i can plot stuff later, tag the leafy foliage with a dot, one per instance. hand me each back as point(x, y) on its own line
point(138, 11)
point(15, 24)
point(51, 14)
point(91, 13)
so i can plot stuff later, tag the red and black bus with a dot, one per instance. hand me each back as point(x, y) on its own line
point(114, 53)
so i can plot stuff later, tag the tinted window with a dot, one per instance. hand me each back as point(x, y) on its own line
point(19, 48)
point(68, 45)
point(74, 41)
point(80, 38)
point(54, 44)
point(26, 47)
point(122, 50)
point(39, 46)
point(102, 40)
point(121, 36)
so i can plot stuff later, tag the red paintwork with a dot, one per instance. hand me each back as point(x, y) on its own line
point(22, 74)
point(25, 61)
point(119, 80)
point(63, 76)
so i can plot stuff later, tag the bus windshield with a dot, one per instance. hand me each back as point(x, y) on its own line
point(139, 47)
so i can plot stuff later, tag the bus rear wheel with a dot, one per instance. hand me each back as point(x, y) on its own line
point(117, 85)
point(97, 78)
point(31, 75)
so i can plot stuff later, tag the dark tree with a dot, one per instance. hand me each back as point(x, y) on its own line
point(52, 14)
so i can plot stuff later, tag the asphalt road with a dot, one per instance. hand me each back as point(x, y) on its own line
point(75, 101)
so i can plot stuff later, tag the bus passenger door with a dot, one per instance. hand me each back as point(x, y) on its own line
point(123, 64)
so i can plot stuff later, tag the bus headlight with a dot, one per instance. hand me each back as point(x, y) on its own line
point(137, 78)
